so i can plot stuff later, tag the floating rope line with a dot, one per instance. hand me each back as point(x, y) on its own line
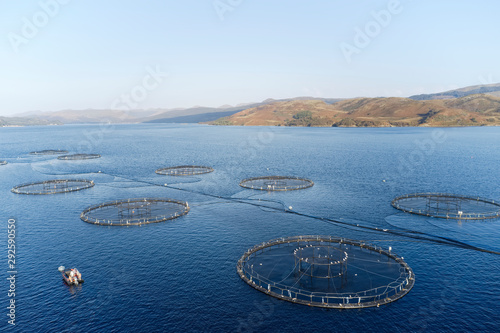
point(418, 235)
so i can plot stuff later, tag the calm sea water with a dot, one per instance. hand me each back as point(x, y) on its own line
point(180, 275)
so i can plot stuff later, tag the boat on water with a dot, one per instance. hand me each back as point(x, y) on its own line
point(71, 275)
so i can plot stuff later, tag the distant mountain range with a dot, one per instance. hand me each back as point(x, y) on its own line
point(324, 112)
point(25, 121)
point(488, 89)
point(472, 110)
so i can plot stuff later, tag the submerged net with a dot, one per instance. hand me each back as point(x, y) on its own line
point(53, 186)
point(49, 152)
point(276, 183)
point(135, 211)
point(448, 206)
point(184, 170)
point(79, 157)
point(326, 271)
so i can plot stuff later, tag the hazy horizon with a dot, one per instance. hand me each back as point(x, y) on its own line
point(61, 55)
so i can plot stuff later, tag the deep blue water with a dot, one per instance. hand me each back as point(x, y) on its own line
point(180, 275)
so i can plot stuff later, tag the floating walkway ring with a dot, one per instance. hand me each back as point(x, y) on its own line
point(276, 183)
point(74, 157)
point(448, 206)
point(49, 152)
point(184, 170)
point(289, 288)
point(53, 186)
point(138, 211)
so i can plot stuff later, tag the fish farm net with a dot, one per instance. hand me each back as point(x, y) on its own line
point(3, 162)
point(75, 157)
point(184, 170)
point(276, 183)
point(325, 271)
point(448, 206)
point(53, 186)
point(135, 211)
point(49, 152)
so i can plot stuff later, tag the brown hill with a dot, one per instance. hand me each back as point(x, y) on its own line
point(473, 110)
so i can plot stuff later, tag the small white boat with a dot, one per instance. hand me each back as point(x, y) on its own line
point(71, 276)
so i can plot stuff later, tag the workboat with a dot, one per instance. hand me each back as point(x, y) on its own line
point(71, 275)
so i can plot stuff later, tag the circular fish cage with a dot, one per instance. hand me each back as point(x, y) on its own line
point(3, 162)
point(134, 211)
point(326, 271)
point(53, 186)
point(276, 183)
point(75, 157)
point(448, 206)
point(49, 152)
point(184, 170)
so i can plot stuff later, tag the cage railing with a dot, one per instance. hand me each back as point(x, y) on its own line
point(366, 298)
point(459, 215)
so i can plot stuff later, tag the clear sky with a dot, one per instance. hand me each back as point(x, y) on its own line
point(62, 54)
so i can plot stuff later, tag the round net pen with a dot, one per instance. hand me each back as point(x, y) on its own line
point(76, 157)
point(184, 170)
point(448, 206)
point(135, 211)
point(326, 271)
point(276, 183)
point(53, 186)
point(49, 152)
point(3, 162)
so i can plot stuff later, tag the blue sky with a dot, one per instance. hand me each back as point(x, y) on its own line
point(86, 54)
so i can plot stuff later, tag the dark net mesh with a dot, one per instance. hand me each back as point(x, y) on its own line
point(78, 157)
point(326, 271)
point(276, 183)
point(53, 186)
point(49, 152)
point(184, 170)
point(134, 211)
point(449, 206)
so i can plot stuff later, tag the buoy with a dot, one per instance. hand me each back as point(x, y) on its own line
point(290, 207)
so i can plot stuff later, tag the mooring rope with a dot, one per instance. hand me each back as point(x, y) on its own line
point(419, 235)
